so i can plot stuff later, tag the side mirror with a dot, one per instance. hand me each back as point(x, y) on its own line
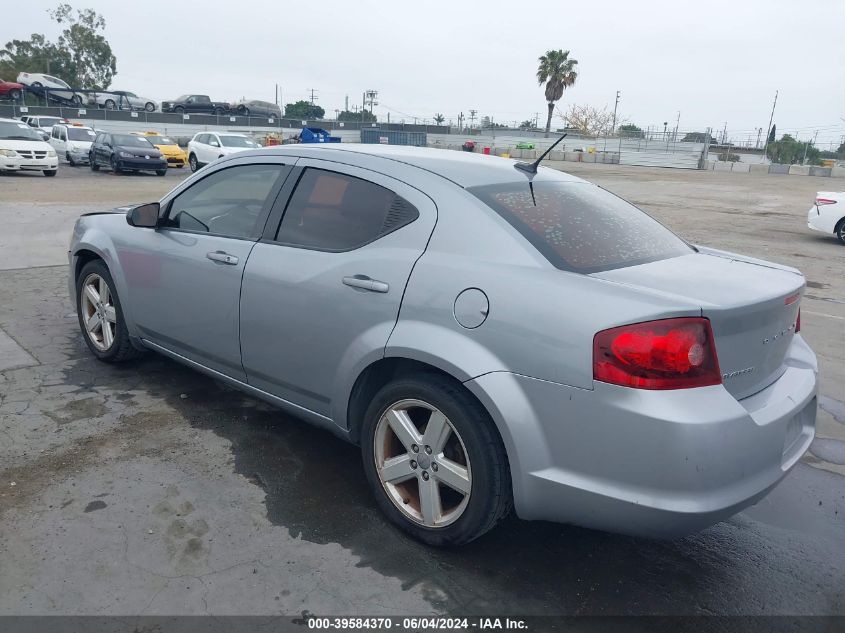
point(144, 215)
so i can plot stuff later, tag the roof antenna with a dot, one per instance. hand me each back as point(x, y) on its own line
point(531, 168)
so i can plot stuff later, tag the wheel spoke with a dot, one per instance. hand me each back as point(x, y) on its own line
point(107, 335)
point(453, 475)
point(92, 322)
point(92, 294)
point(401, 424)
point(111, 315)
point(437, 432)
point(104, 291)
point(430, 506)
point(397, 469)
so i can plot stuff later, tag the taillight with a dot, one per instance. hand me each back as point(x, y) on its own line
point(820, 202)
point(798, 322)
point(666, 354)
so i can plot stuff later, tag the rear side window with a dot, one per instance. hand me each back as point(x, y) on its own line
point(335, 212)
point(581, 227)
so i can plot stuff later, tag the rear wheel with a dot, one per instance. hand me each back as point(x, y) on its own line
point(110, 104)
point(840, 231)
point(435, 461)
point(76, 100)
point(179, 110)
point(100, 314)
point(14, 94)
point(150, 106)
point(218, 111)
point(192, 161)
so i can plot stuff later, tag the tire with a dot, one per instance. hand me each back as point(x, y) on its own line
point(244, 111)
point(14, 94)
point(150, 107)
point(193, 162)
point(840, 231)
point(161, 172)
point(94, 165)
point(76, 100)
point(219, 111)
point(115, 346)
point(50, 172)
point(110, 104)
point(36, 84)
point(179, 110)
point(114, 165)
point(473, 448)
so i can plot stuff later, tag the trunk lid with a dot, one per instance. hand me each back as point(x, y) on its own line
point(752, 306)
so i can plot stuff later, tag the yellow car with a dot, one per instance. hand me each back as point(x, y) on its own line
point(175, 155)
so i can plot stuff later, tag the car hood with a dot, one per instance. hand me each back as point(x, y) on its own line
point(152, 152)
point(170, 150)
point(38, 146)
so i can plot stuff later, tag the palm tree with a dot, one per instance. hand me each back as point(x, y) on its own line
point(557, 70)
point(439, 118)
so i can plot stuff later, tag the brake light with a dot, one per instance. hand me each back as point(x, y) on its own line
point(820, 202)
point(666, 354)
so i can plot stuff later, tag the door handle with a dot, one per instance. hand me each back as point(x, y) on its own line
point(223, 258)
point(366, 283)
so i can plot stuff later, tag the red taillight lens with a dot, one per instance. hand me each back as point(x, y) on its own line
point(666, 354)
point(798, 322)
point(820, 202)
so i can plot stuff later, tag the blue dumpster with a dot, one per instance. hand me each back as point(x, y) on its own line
point(317, 135)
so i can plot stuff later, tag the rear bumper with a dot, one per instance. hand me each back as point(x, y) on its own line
point(824, 222)
point(650, 463)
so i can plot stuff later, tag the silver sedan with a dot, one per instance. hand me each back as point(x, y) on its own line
point(492, 335)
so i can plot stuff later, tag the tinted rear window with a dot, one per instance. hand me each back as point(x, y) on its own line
point(581, 227)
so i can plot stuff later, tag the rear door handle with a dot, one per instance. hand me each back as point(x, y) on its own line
point(223, 258)
point(366, 283)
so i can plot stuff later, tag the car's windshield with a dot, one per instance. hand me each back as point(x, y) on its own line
point(80, 134)
point(48, 121)
point(581, 227)
point(237, 141)
point(18, 132)
point(160, 140)
point(127, 140)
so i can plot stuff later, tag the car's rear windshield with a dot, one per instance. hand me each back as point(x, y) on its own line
point(80, 134)
point(127, 140)
point(581, 227)
point(160, 140)
point(237, 141)
point(18, 132)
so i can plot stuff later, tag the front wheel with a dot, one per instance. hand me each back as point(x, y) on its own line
point(110, 104)
point(192, 161)
point(115, 167)
point(179, 110)
point(14, 94)
point(100, 314)
point(50, 172)
point(219, 111)
point(161, 172)
point(840, 232)
point(434, 460)
point(93, 163)
point(70, 160)
point(76, 100)
point(150, 107)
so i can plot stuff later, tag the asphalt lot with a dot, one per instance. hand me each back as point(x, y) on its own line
point(150, 489)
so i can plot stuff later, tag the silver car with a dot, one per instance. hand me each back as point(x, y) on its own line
point(121, 100)
point(491, 336)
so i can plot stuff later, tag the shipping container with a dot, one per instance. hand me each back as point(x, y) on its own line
point(393, 137)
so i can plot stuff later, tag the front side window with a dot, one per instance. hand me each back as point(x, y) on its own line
point(581, 227)
point(227, 202)
point(334, 212)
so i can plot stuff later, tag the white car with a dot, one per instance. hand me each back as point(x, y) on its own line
point(121, 100)
point(43, 124)
point(21, 149)
point(206, 147)
point(57, 88)
point(828, 214)
point(72, 141)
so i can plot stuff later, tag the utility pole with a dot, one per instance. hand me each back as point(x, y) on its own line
point(370, 95)
point(769, 129)
point(615, 106)
point(313, 97)
point(346, 106)
point(472, 114)
point(757, 144)
point(807, 144)
point(677, 123)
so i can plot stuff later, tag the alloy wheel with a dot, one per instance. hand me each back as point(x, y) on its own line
point(98, 312)
point(422, 463)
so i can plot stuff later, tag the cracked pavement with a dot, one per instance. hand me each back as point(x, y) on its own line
point(147, 488)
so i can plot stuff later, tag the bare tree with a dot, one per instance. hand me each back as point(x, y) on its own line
point(588, 120)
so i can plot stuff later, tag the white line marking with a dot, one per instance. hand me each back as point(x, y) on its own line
point(829, 316)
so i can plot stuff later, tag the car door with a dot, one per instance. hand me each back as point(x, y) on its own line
point(102, 153)
point(184, 278)
point(212, 148)
point(321, 295)
point(57, 142)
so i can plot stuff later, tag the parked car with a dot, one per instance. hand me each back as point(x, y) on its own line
point(125, 152)
point(23, 149)
point(574, 357)
point(201, 104)
point(828, 214)
point(43, 124)
point(72, 141)
point(56, 89)
point(121, 100)
point(11, 90)
point(207, 147)
point(175, 155)
point(257, 108)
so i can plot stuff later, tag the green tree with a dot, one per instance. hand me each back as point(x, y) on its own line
point(557, 71)
point(789, 150)
point(697, 137)
point(349, 115)
point(772, 134)
point(81, 56)
point(304, 110)
point(527, 124)
point(439, 118)
point(629, 130)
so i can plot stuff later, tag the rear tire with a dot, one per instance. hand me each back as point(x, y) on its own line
point(50, 172)
point(179, 110)
point(219, 111)
point(150, 107)
point(840, 231)
point(472, 448)
point(114, 346)
point(14, 94)
point(193, 162)
point(110, 104)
